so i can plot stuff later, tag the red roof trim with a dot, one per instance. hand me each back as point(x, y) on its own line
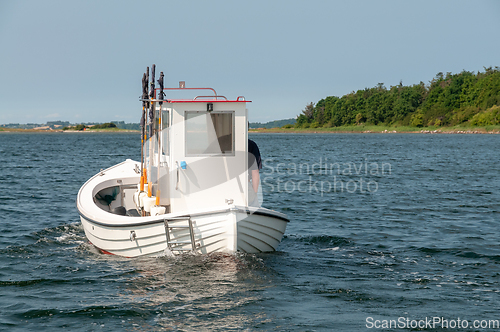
point(205, 101)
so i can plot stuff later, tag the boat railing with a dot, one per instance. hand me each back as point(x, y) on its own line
point(213, 97)
point(184, 89)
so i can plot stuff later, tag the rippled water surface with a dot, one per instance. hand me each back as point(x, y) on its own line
point(382, 226)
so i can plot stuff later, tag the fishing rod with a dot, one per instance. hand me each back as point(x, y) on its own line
point(143, 124)
point(145, 105)
point(158, 133)
point(151, 123)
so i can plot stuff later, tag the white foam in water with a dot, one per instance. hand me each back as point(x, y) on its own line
point(63, 237)
point(332, 249)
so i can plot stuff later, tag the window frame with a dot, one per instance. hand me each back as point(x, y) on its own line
point(221, 154)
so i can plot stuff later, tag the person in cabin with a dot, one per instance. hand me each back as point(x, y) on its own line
point(254, 165)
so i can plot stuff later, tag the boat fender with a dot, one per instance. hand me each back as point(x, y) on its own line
point(141, 195)
point(149, 202)
point(158, 210)
point(137, 199)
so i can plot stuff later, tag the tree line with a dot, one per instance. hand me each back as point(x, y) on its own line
point(81, 126)
point(448, 100)
point(273, 124)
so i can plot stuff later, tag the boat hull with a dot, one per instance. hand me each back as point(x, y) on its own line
point(227, 228)
point(230, 230)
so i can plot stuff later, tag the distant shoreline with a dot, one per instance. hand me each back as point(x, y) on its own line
point(337, 130)
point(114, 130)
point(363, 129)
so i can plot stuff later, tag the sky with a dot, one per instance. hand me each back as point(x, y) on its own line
point(82, 61)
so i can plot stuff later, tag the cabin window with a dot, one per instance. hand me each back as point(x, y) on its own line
point(209, 133)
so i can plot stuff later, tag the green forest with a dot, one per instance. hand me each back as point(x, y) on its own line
point(448, 100)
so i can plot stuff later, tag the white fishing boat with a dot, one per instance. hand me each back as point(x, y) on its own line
point(192, 190)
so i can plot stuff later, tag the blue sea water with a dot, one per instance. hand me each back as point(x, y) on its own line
point(385, 229)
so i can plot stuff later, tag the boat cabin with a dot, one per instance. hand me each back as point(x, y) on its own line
point(196, 156)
